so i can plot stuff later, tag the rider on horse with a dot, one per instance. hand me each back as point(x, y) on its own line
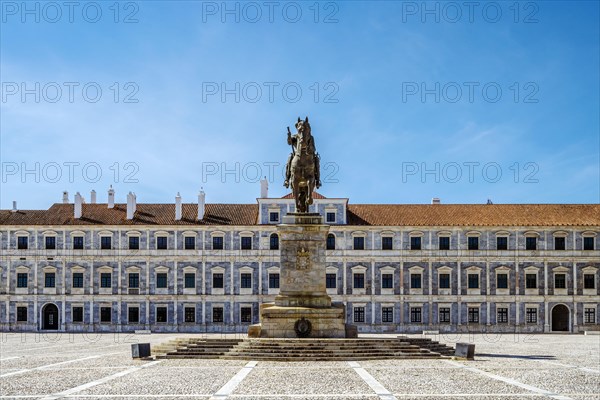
point(306, 142)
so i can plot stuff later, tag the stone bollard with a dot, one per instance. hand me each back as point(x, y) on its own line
point(140, 350)
point(465, 350)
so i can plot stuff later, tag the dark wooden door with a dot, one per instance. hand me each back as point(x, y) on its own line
point(560, 318)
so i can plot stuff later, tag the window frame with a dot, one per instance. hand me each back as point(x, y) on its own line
point(387, 314)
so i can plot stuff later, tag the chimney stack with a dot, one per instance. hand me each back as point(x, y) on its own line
point(130, 205)
point(264, 188)
point(65, 197)
point(436, 200)
point(111, 197)
point(78, 205)
point(14, 209)
point(178, 207)
point(201, 205)
point(93, 197)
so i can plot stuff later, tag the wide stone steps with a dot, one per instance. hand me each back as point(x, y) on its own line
point(429, 344)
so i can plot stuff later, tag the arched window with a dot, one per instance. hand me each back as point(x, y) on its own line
point(274, 242)
point(331, 241)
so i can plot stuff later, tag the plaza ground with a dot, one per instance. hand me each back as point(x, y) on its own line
point(507, 366)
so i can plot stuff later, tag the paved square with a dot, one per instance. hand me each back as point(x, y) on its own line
point(508, 366)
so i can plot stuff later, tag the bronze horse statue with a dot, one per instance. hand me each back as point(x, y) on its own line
point(302, 169)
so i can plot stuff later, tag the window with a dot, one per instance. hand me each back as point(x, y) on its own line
point(161, 315)
point(273, 216)
point(415, 281)
point(217, 314)
point(444, 314)
point(77, 242)
point(330, 281)
point(560, 281)
point(415, 314)
point(77, 314)
point(588, 243)
point(444, 243)
point(246, 243)
point(246, 281)
point(387, 281)
point(105, 314)
point(473, 281)
point(589, 316)
point(133, 315)
point(161, 243)
point(502, 316)
point(273, 281)
point(134, 280)
point(331, 241)
point(22, 242)
point(161, 280)
point(502, 281)
point(50, 280)
point(589, 281)
point(274, 241)
point(105, 242)
point(359, 314)
point(78, 280)
point(189, 280)
point(189, 243)
point(530, 243)
point(444, 281)
point(386, 243)
point(359, 281)
point(359, 243)
point(134, 243)
point(21, 314)
point(217, 281)
point(502, 243)
point(473, 315)
point(246, 315)
point(105, 280)
point(50, 243)
point(330, 217)
point(530, 281)
point(473, 243)
point(189, 314)
point(387, 314)
point(415, 243)
point(22, 280)
point(531, 315)
point(559, 243)
point(217, 242)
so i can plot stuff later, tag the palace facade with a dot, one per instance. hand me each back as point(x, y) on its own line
point(207, 267)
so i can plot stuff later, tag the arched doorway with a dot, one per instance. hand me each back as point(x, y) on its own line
point(560, 318)
point(50, 317)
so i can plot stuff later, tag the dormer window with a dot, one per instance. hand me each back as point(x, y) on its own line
point(273, 217)
point(330, 217)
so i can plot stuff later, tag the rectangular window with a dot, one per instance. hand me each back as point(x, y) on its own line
point(415, 314)
point(387, 314)
point(386, 243)
point(560, 281)
point(415, 281)
point(330, 217)
point(134, 243)
point(444, 281)
point(359, 281)
point(217, 281)
point(589, 281)
point(161, 281)
point(22, 242)
point(273, 281)
point(502, 243)
point(189, 280)
point(473, 242)
point(217, 314)
point(105, 280)
point(246, 315)
point(246, 243)
point(473, 315)
point(531, 315)
point(21, 314)
point(217, 242)
point(105, 314)
point(559, 243)
point(502, 281)
point(273, 216)
point(589, 316)
point(274, 242)
point(530, 281)
point(133, 315)
point(134, 280)
point(78, 280)
point(415, 243)
point(588, 243)
point(331, 281)
point(330, 242)
point(444, 243)
point(77, 242)
point(387, 281)
point(77, 314)
point(473, 281)
point(189, 243)
point(530, 243)
point(161, 243)
point(359, 243)
point(246, 281)
point(502, 316)
point(161, 315)
point(50, 243)
point(189, 314)
point(22, 280)
point(50, 280)
point(444, 314)
point(105, 242)
point(359, 314)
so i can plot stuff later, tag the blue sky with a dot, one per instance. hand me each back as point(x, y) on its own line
point(407, 100)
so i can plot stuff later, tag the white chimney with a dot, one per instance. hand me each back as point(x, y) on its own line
point(111, 197)
point(134, 202)
point(93, 197)
point(130, 205)
point(201, 205)
point(264, 188)
point(178, 207)
point(436, 200)
point(78, 205)
point(14, 209)
point(65, 197)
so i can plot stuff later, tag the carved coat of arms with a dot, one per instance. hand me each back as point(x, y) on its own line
point(302, 259)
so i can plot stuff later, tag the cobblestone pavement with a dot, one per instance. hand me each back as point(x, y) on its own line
point(98, 367)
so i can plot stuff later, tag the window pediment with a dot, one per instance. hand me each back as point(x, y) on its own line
point(589, 234)
point(133, 233)
point(444, 270)
point(217, 270)
point(387, 270)
point(502, 234)
point(161, 269)
point(49, 233)
point(358, 268)
point(416, 234)
point(531, 234)
point(560, 234)
point(473, 234)
point(217, 233)
point(416, 269)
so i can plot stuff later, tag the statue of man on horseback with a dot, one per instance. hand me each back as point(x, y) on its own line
point(302, 170)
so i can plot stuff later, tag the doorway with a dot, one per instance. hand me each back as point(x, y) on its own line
point(50, 317)
point(560, 318)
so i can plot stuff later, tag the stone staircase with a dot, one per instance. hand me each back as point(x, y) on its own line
point(195, 348)
point(430, 345)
